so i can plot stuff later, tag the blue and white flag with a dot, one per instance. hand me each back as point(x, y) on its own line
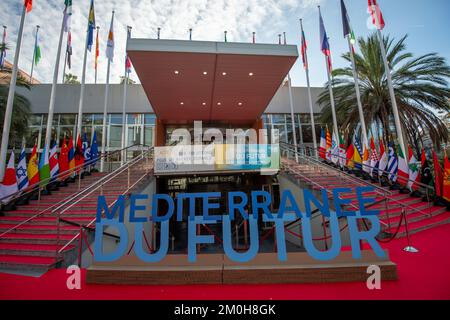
point(392, 164)
point(86, 149)
point(21, 172)
point(94, 149)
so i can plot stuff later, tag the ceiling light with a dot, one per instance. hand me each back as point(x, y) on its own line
point(219, 103)
point(204, 104)
point(224, 73)
point(182, 103)
point(250, 74)
point(240, 104)
point(205, 73)
point(176, 72)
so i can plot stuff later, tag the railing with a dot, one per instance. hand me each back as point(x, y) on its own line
point(140, 165)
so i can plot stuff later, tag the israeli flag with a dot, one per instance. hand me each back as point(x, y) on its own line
point(21, 172)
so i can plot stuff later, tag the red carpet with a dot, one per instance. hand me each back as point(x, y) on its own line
point(424, 275)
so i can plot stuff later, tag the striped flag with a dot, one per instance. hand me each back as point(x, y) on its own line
point(414, 171)
point(97, 51)
point(324, 44)
point(382, 165)
point(328, 146)
point(69, 49)
point(32, 169)
point(21, 172)
point(377, 16)
point(54, 164)
point(28, 4)
point(9, 184)
point(323, 144)
point(44, 167)
point(374, 160)
point(37, 50)
point(403, 169)
point(110, 42)
point(304, 48)
point(71, 155)
point(392, 167)
point(67, 15)
point(91, 26)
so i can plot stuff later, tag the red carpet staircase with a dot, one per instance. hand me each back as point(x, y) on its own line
point(420, 215)
point(34, 245)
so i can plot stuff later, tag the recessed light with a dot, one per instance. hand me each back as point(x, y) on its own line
point(204, 104)
point(250, 74)
point(224, 73)
point(205, 73)
point(240, 104)
point(176, 72)
point(182, 103)
point(219, 103)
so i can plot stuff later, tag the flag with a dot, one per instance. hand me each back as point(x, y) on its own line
point(63, 159)
point(335, 150)
point(342, 152)
point(348, 31)
point(127, 65)
point(375, 12)
point(383, 164)
point(403, 169)
point(94, 150)
point(86, 149)
point(33, 170)
point(9, 184)
point(28, 4)
point(304, 48)
point(21, 172)
point(446, 180)
point(324, 44)
point(323, 144)
point(374, 160)
point(426, 177)
point(438, 177)
point(44, 167)
point(69, 49)
point(392, 167)
point(349, 155)
point(37, 49)
point(414, 172)
point(79, 155)
point(53, 161)
point(357, 156)
point(3, 51)
point(67, 15)
point(97, 51)
point(71, 155)
point(110, 42)
point(328, 146)
point(366, 161)
point(91, 26)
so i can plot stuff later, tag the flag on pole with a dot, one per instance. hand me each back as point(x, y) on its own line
point(335, 150)
point(438, 177)
point(33, 170)
point(86, 149)
point(21, 172)
point(382, 165)
point(366, 161)
point(328, 146)
point(53, 161)
point(392, 167)
point(69, 49)
point(342, 151)
point(348, 31)
point(403, 169)
point(97, 51)
point(71, 155)
point(37, 50)
point(63, 159)
point(3, 49)
point(79, 154)
point(110, 42)
point(323, 144)
point(414, 172)
point(446, 179)
point(426, 177)
point(91, 26)
point(350, 155)
point(357, 157)
point(67, 15)
point(44, 167)
point(375, 12)
point(374, 160)
point(127, 65)
point(324, 44)
point(9, 184)
point(304, 48)
point(28, 4)
point(94, 150)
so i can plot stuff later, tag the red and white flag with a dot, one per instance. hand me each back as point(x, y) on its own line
point(414, 170)
point(9, 184)
point(377, 16)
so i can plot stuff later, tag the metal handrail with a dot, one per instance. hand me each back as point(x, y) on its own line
point(35, 187)
point(60, 203)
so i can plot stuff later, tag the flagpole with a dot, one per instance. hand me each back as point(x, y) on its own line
point(398, 125)
point(65, 61)
point(82, 88)
point(34, 53)
point(9, 103)
point(51, 106)
point(291, 102)
point(105, 110)
point(124, 102)
point(2, 52)
point(96, 57)
point(311, 110)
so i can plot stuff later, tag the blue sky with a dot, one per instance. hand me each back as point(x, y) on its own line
point(426, 22)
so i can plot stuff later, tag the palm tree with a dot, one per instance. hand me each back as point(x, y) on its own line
point(420, 84)
point(21, 110)
point(71, 79)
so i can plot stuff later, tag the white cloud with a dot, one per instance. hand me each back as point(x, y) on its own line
point(208, 18)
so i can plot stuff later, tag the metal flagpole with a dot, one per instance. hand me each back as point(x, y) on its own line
point(398, 125)
point(34, 53)
point(254, 37)
point(51, 106)
point(291, 102)
point(96, 57)
point(311, 110)
point(105, 109)
point(190, 33)
point(9, 103)
point(125, 85)
point(82, 88)
point(2, 52)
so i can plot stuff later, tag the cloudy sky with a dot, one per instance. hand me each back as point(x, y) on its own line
point(426, 21)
